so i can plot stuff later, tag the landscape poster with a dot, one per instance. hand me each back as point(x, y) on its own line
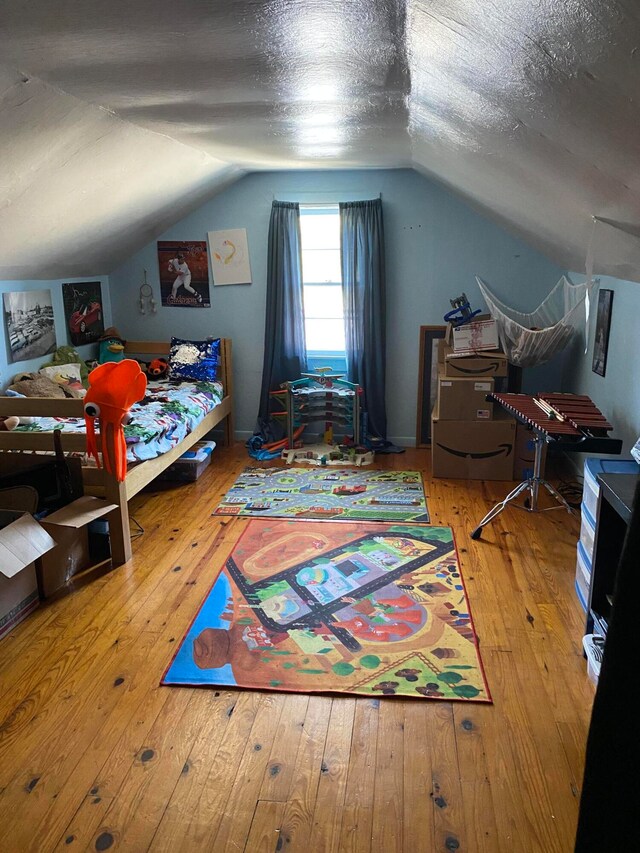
point(28, 319)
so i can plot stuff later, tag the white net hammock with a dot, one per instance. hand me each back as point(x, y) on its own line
point(531, 339)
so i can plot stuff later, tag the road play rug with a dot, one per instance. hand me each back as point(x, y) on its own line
point(374, 609)
point(337, 494)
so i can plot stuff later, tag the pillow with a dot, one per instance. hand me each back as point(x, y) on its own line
point(67, 376)
point(194, 359)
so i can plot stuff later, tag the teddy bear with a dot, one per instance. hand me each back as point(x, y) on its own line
point(158, 368)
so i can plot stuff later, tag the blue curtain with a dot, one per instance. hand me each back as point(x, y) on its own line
point(284, 342)
point(363, 284)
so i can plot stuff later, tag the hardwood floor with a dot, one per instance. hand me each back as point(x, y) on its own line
point(94, 755)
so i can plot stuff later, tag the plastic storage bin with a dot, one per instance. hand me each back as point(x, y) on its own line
point(580, 594)
point(583, 578)
point(593, 665)
point(587, 533)
point(593, 467)
point(188, 467)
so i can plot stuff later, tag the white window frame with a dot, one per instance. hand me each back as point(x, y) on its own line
point(324, 353)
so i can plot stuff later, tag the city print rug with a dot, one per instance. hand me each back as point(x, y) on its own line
point(336, 494)
point(370, 609)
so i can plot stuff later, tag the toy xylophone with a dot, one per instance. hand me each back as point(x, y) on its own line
point(570, 421)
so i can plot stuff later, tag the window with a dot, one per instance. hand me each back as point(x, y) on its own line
point(322, 285)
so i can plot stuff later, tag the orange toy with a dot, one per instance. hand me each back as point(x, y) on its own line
point(113, 388)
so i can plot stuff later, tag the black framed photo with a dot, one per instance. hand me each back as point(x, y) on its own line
point(603, 326)
point(427, 381)
point(83, 311)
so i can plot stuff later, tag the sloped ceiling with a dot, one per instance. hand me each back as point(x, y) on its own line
point(118, 118)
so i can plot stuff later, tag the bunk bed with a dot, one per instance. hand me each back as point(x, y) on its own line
point(97, 481)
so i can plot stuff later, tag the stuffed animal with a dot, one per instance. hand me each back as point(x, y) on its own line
point(68, 355)
point(110, 346)
point(113, 389)
point(22, 419)
point(158, 368)
point(7, 424)
point(37, 385)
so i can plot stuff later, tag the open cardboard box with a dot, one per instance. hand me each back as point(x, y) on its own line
point(23, 543)
point(69, 528)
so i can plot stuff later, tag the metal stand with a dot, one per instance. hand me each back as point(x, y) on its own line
point(532, 485)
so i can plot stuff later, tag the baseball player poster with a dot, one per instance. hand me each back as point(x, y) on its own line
point(184, 273)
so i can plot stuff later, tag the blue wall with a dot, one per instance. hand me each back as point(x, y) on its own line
point(9, 369)
point(435, 245)
point(618, 392)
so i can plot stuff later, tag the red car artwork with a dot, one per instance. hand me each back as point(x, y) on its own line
point(83, 319)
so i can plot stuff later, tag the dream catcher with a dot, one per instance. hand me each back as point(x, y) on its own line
point(146, 297)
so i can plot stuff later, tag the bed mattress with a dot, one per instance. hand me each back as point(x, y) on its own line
point(168, 413)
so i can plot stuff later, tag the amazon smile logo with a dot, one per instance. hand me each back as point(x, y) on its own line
point(502, 450)
point(492, 367)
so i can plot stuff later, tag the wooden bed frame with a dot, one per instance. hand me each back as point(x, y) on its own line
point(96, 480)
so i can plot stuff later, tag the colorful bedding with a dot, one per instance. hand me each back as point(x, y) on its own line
point(168, 413)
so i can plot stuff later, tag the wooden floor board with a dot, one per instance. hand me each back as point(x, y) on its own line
point(95, 755)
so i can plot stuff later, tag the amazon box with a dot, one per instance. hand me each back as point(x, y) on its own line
point(473, 450)
point(22, 543)
point(69, 528)
point(479, 365)
point(464, 399)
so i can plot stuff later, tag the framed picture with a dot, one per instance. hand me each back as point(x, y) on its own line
point(230, 256)
point(28, 319)
point(427, 381)
point(603, 326)
point(83, 311)
point(184, 273)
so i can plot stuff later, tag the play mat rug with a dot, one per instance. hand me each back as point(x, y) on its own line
point(338, 494)
point(378, 610)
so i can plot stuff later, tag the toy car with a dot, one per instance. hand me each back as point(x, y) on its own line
point(349, 490)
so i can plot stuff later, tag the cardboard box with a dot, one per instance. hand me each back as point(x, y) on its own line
point(188, 467)
point(473, 450)
point(22, 543)
point(69, 528)
point(473, 337)
point(489, 363)
point(464, 399)
point(524, 453)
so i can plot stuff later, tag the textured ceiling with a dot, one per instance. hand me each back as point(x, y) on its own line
point(117, 118)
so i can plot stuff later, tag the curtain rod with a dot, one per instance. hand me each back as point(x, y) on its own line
point(338, 192)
